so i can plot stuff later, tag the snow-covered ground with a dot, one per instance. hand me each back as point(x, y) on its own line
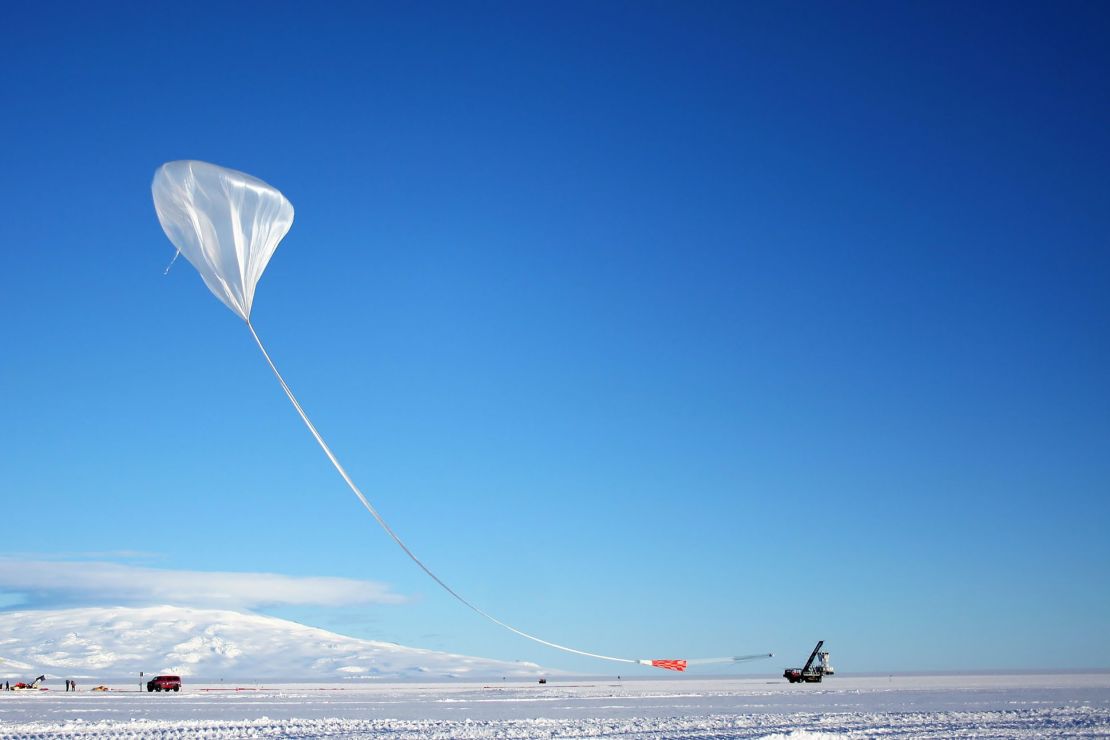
point(353, 688)
point(997, 706)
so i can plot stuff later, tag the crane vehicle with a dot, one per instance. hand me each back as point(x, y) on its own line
point(34, 685)
point(809, 673)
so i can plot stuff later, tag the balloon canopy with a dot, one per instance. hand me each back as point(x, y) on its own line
point(225, 222)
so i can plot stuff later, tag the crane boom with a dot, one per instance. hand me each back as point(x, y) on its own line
point(809, 663)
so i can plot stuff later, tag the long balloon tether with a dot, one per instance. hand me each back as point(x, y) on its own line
point(670, 664)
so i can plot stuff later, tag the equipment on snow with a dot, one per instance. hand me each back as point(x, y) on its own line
point(809, 674)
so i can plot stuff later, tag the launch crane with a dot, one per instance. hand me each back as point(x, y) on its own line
point(809, 673)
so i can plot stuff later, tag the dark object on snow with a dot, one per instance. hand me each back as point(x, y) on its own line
point(164, 683)
point(809, 674)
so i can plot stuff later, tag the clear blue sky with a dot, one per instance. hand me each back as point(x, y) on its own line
point(658, 329)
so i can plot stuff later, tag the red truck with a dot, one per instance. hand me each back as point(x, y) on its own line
point(164, 683)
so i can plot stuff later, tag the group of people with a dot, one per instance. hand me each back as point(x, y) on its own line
point(71, 685)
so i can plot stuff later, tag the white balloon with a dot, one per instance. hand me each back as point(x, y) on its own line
point(225, 222)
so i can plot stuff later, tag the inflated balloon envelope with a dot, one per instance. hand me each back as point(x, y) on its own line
point(228, 224)
point(225, 222)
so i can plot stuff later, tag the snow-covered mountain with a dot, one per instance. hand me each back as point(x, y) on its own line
point(212, 644)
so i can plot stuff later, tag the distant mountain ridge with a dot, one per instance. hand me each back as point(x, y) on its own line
point(112, 642)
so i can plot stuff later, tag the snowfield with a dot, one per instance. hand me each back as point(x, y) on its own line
point(1006, 706)
point(286, 680)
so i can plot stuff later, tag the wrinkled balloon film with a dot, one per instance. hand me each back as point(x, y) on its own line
point(226, 223)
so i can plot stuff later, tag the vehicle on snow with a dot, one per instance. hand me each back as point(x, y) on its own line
point(164, 683)
point(33, 686)
point(811, 674)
